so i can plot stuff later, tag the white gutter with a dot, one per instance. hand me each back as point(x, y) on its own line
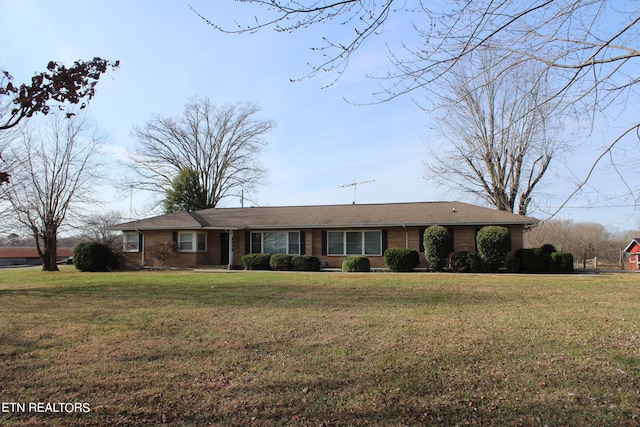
point(230, 266)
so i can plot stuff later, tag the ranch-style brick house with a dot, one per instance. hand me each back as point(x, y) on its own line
point(218, 237)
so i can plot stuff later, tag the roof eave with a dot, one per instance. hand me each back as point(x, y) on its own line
point(162, 227)
point(321, 226)
point(378, 225)
point(631, 245)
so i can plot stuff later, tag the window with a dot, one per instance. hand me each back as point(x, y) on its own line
point(354, 243)
point(256, 243)
point(336, 243)
point(202, 242)
point(186, 242)
point(294, 242)
point(131, 242)
point(372, 243)
point(275, 242)
point(192, 242)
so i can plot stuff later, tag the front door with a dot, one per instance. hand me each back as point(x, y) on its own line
point(224, 248)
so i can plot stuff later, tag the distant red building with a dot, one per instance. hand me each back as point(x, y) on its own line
point(633, 249)
point(11, 257)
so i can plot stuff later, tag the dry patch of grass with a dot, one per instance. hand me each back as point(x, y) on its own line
point(317, 349)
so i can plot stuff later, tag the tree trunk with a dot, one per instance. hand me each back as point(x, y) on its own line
point(49, 255)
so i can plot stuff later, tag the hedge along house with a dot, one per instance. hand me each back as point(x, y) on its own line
point(218, 237)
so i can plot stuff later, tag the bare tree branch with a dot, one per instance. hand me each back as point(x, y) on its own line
point(501, 139)
point(221, 144)
point(53, 170)
point(59, 83)
point(590, 47)
point(603, 154)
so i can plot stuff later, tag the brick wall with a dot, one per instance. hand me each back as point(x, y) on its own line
point(397, 237)
point(177, 259)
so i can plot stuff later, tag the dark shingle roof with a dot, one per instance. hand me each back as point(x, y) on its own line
point(331, 216)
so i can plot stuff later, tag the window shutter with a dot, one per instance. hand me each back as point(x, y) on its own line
point(302, 243)
point(453, 242)
point(140, 242)
point(324, 242)
point(247, 242)
point(175, 237)
point(421, 232)
point(384, 241)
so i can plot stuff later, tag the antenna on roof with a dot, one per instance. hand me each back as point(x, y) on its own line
point(355, 187)
point(131, 189)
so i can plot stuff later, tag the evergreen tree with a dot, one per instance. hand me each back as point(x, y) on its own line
point(186, 193)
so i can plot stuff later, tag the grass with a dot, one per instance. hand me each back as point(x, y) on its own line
point(320, 349)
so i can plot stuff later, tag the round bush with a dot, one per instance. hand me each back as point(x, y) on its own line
point(356, 264)
point(256, 261)
point(466, 262)
point(280, 262)
point(305, 263)
point(438, 244)
point(562, 262)
point(401, 259)
point(493, 245)
point(534, 260)
point(94, 256)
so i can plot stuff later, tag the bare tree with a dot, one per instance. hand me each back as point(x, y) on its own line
point(592, 45)
point(501, 133)
point(97, 227)
point(53, 170)
point(585, 240)
point(593, 238)
point(163, 250)
point(58, 85)
point(221, 144)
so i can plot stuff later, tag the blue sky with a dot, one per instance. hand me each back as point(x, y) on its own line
point(168, 54)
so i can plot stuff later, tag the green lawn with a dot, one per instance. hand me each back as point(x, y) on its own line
point(319, 349)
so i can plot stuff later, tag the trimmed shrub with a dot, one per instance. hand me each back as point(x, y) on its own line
point(94, 256)
point(466, 262)
point(356, 264)
point(305, 263)
point(562, 262)
point(401, 259)
point(280, 262)
point(493, 245)
point(548, 249)
point(533, 260)
point(256, 261)
point(513, 265)
point(438, 244)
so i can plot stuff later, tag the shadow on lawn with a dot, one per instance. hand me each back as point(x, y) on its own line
point(256, 295)
point(366, 401)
